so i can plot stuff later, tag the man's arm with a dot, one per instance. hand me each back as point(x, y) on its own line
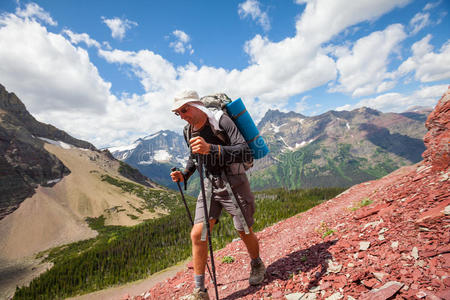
point(190, 166)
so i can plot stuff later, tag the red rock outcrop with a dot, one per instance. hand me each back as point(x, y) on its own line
point(397, 247)
point(437, 139)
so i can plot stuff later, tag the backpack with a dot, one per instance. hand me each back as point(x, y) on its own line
point(215, 103)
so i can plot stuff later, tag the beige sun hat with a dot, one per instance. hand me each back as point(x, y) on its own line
point(185, 97)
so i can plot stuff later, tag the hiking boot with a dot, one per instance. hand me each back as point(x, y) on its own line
point(197, 295)
point(257, 273)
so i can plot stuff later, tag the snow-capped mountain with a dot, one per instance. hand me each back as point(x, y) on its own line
point(155, 154)
point(162, 147)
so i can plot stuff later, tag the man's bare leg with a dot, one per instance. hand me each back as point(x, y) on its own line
point(258, 269)
point(251, 242)
point(199, 247)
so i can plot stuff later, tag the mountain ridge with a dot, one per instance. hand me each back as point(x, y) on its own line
point(25, 162)
point(336, 148)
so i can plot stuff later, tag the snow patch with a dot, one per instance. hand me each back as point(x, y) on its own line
point(182, 161)
point(54, 181)
point(149, 137)
point(297, 145)
point(276, 128)
point(162, 155)
point(57, 143)
point(123, 148)
point(348, 126)
point(281, 139)
point(304, 143)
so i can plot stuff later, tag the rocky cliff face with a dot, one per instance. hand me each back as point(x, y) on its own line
point(385, 239)
point(10, 104)
point(24, 163)
point(437, 139)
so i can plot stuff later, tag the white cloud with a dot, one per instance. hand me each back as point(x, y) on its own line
point(118, 26)
point(397, 102)
point(323, 19)
point(32, 10)
point(77, 38)
point(46, 70)
point(251, 8)
point(302, 105)
point(60, 85)
point(419, 21)
point(277, 70)
point(363, 69)
point(155, 72)
point(432, 5)
point(427, 65)
point(181, 43)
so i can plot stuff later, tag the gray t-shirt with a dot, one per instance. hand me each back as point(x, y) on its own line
point(222, 153)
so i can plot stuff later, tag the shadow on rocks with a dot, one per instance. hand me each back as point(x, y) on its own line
point(302, 261)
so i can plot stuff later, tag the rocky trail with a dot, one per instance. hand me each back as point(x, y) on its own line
point(383, 239)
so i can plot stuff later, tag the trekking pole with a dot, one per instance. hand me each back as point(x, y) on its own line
point(208, 231)
point(182, 197)
point(190, 216)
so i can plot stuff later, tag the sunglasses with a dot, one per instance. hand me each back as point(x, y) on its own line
point(183, 110)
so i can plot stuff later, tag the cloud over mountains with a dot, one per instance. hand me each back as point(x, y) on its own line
point(54, 74)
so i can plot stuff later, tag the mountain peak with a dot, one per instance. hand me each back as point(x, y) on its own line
point(23, 157)
point(274, 115)
point(12, 104)
point(160, 133)
point(367, 110)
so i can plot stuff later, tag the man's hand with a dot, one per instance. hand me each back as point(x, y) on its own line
point(177, 176)
point(199, 146)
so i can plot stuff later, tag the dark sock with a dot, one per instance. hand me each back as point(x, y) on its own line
point(200, 281)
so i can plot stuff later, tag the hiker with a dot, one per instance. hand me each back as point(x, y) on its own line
point(224, 154)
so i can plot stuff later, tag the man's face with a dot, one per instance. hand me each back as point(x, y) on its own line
point(188, 113)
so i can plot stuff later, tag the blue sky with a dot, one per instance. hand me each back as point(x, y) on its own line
point(107, 71)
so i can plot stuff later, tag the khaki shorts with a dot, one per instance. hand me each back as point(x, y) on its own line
point(221, 199)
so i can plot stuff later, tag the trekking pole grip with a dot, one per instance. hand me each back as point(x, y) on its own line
point(173, 170)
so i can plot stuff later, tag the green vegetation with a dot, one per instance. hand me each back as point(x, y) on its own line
point(133, 217)
point(154, 198)
point(324, 230)
point(125, 168)
point(123, 254)
point(362, 203)
point(289, 172)
point(228, 259)
point(316, 166)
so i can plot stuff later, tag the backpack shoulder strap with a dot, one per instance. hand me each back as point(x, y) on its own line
point(221, 134)
point(218, 133)
point(187, 133)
